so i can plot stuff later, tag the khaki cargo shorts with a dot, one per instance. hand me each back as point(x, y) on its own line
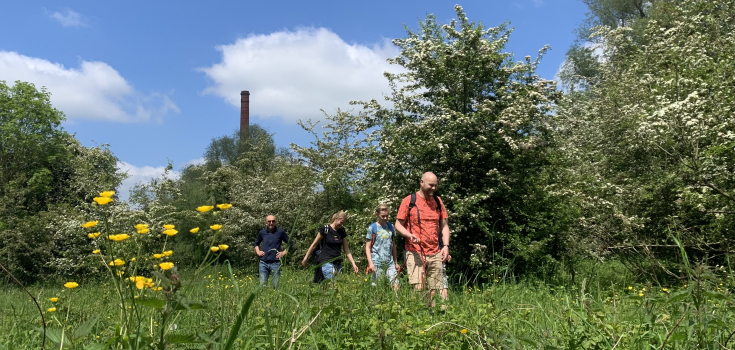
point(434, 270)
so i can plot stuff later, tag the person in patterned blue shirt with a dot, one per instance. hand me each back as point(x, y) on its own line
point(268, 248)
point(380, 247)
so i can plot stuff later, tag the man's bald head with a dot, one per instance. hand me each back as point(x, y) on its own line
point(270, 222)
point(429, 183)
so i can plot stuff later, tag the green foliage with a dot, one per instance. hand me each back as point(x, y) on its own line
point(650, 147)
point(46, 177)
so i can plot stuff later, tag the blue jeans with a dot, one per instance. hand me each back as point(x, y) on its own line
point(331, 269)
point(266, 268)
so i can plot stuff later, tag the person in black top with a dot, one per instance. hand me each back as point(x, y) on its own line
point(331, 239)
point(268, 248)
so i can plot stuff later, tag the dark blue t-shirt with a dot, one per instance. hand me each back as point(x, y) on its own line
point(271, 243)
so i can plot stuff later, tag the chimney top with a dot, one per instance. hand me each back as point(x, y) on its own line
point(245, 92)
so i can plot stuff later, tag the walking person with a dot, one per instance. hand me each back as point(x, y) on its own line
point(380, 247)
point(331, 240)
point(422, 220)
point(268, 248)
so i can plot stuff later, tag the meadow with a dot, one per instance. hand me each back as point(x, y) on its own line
point(604, 309)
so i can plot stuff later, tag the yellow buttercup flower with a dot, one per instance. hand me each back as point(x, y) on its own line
point(117, 262)
point(102, 200)
point(166, 265)
point(158, 256)
point(168, 253)
point(168, 226)
point(54, 299)
point(96, 251)
point(224, 206)
point(133, 259)
point(118, 238)
point(215, 227)
point(194, 230)
point(205, 208)
point(214, 249)
point(170, 232)
point(223, 246)
point(51, 309)
point(93, 235)
point(107, 194)
point(119, 273)
point(463, 331)
point(71, 285)
point(156, 288)
point(90, 224)
point(141, 226)
point(143, 230)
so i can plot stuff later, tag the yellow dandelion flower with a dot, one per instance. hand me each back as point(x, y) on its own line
point(170, 232)
point(168, 253)
point(463, 331)
point(93, 235)
point(223, 246)
point(214, 249)
point(204, 208)
point(224, 206)
point(71, 285)
point(51, 309)
point(96, 251)
point(118, 238)
point(102, 200)
point(168, 226)
point(166, 265)
point(117, 262)
point(107, 194)
point(143, 230)
point(158, 256)
point(215, 227)
point(90, 224)
point(140, 226)
point(54, 299)
point(194, 230)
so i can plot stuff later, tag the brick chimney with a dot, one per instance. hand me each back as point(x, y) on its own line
point(244, 113)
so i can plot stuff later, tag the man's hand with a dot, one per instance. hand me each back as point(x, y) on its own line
point(281, 254)
point(445, 253)
point(398, 267)
point(415, 239)
point(260, 253)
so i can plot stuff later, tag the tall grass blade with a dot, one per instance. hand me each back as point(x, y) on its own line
point(238, 322)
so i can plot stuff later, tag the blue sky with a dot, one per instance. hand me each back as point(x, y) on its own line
point(157, 80)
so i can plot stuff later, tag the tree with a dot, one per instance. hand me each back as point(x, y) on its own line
point(464, 110)
point(43, 170)
point(653, 142)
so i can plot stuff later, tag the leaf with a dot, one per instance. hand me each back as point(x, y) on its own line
point(151, 302)
point(716, 295)
point(193, 306)
point(678, 296)
point(238, 322)
point(84, 329)
point(95, 347)
point(182, 339)
point(232, 277)
point(53, 334)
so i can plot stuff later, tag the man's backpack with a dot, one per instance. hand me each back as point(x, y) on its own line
point(374, 229)
point(412, 205)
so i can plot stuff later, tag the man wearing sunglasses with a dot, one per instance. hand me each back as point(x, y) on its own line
point(268, 248)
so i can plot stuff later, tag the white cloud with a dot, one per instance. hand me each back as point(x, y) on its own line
point(141, 175)
point(197, 161)
point(68, 18)
point(294, 74)
point(93, 91)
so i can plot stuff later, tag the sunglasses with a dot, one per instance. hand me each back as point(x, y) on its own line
point(270, 221)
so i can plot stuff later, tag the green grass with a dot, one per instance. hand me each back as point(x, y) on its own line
point(597, 313)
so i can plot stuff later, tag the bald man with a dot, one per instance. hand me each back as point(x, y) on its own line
point(268, 248)
point(423, 225)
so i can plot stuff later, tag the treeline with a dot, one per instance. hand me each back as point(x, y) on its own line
point(632, 158)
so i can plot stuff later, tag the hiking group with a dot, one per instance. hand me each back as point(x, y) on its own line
point(421, 220)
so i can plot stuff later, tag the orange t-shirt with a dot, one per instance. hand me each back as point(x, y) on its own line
point(428, 231)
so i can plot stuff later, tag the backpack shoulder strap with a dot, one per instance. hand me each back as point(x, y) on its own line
point(411, 205)
point(438, 203)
